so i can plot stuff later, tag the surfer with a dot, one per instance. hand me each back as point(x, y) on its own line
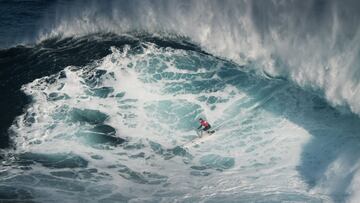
point(205, 126)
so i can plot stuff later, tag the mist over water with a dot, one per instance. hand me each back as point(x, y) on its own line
point(113, 92)
point(313, 43)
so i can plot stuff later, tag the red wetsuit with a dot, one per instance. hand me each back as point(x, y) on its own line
point(205, 124)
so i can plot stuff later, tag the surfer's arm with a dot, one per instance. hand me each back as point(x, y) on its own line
point(199, 127)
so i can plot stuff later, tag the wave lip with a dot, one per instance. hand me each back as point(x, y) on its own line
point(310, 43)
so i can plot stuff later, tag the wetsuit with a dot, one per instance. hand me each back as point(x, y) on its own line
point(205, 124)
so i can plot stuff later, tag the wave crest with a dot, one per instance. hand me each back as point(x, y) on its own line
point(312, 43)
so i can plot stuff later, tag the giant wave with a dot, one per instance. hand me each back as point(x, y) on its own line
point(313, 43)
point(116, 90)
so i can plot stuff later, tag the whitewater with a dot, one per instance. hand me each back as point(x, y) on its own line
point(104, 101)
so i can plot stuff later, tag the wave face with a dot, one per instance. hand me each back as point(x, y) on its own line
point(119, 129)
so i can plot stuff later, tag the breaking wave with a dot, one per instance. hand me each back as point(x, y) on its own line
point(113, 93)
point(313, 43)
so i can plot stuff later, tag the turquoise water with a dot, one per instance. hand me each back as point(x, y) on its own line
point(115, 129)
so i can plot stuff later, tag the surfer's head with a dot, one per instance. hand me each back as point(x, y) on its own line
point(200, 119)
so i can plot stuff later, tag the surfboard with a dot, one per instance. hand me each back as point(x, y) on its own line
point(199, 139)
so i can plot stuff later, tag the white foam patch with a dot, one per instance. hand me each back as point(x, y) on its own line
point(264, 147)
point(354, 188)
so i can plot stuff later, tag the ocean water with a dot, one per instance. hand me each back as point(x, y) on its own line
point(100, 101)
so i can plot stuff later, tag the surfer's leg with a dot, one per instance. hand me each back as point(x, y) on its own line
point(199, 132)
